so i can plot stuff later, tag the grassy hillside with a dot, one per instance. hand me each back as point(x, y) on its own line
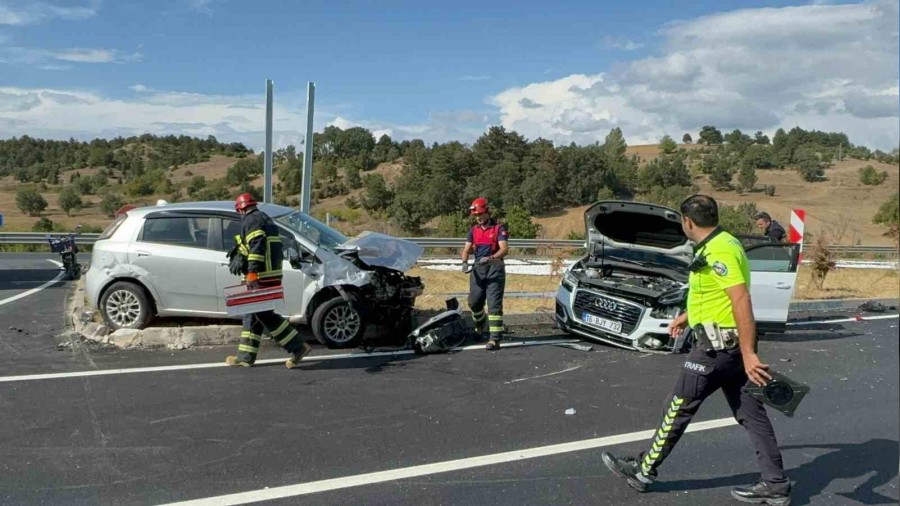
point(839, 205)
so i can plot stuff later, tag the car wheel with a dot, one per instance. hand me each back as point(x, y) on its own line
point(338, 324)
point(125, 305)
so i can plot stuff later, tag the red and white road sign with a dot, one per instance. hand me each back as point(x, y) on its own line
point(795, 230)
point(798, 221)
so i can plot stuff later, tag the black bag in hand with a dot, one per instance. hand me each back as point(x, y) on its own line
point(237, 263)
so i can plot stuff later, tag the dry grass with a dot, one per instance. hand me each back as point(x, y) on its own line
point(214, 168)
point(840, 283)
point(841, 206)
point(850, 283)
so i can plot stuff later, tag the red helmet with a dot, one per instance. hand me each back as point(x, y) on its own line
point(479, 206)
point(244, 201)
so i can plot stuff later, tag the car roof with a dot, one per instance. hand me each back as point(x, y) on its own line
point(219, 206)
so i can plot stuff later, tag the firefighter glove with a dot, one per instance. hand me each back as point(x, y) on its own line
point(237, 263)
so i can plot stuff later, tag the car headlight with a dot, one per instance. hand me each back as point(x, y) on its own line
point(672, 298)
point(665, 313)
point(569, 281)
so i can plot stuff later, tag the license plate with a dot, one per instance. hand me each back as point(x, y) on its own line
point(603, 323)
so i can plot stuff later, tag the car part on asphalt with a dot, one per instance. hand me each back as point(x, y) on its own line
point(781, 393)
point(442, 332)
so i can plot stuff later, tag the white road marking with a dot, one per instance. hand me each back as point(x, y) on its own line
point(517, 344)
point(315, 487)
point(35, 290)
point(543, 375)
point(847, 320)
point(318, 358)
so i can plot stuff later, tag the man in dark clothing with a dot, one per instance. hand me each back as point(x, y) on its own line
point(771, 228)
point(259, 257)
point(489, 241)
point(724, 356)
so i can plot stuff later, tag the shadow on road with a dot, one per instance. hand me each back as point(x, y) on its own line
point(26, 279)
point(877, 458)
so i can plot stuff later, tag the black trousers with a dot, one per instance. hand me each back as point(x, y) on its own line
point(486, 284)
point(701, 375)
point(271, 323)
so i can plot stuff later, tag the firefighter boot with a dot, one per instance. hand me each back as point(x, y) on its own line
point(233, 360)
point(297, 356)
point(628, 468)
point(761, 493)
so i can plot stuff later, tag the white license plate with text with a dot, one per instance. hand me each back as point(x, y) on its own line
point(603, 323)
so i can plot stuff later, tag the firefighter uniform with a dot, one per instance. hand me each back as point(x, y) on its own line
point(722, 264)
point(260, 244)
point(488, 280)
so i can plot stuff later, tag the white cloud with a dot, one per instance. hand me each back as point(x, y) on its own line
point(41, 57)
point(830, 67)
point(81, 55)
point(28, 13)
point(201, 6)
point(475, 78)
point(620, 43)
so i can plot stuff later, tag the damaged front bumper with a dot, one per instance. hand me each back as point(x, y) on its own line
point(611, 320)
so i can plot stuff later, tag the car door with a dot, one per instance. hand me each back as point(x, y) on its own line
point(773, 276)
point(172, 250)
point(294, 280)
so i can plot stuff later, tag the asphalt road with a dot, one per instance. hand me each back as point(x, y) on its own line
point(163, 436)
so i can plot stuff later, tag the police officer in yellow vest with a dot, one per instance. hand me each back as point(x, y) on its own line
point(724, 355)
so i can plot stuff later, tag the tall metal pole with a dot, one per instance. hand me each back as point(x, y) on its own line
point(306, 191)
point(267, 166)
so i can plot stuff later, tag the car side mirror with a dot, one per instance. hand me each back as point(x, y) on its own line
point(296, 258)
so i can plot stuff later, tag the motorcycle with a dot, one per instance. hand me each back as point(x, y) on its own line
point(67, 249)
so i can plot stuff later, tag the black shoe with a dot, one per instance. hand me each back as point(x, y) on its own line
point(627, 468)
point(761, 493)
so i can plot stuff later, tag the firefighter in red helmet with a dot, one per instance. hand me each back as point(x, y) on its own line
point(488, 241)
point(258, 256)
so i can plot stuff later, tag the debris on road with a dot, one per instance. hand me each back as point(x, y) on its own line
point(570, 411)
point(575, 346)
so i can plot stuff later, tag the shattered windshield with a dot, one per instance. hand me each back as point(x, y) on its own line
point(312, 229)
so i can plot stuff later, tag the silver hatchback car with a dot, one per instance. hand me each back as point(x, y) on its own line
point(170, 260)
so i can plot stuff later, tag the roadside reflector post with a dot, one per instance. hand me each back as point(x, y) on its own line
point(796, 228)
point(306, 182)
point(267, 164)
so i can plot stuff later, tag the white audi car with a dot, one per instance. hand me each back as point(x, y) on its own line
point(633, 279)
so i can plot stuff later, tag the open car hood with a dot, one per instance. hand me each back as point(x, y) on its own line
point(380, 250)
point(641, 232)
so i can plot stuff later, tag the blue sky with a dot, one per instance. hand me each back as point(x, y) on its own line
point(568, 71)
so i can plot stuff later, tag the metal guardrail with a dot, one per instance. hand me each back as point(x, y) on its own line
point(443, 242)
point(41, 237)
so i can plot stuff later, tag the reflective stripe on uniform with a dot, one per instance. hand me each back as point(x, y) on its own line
point(250, 335)
point(662, 434)
point(289, 337)
point(255, 234)
point(281, 328)
point(253, 257)
point(247, 348)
